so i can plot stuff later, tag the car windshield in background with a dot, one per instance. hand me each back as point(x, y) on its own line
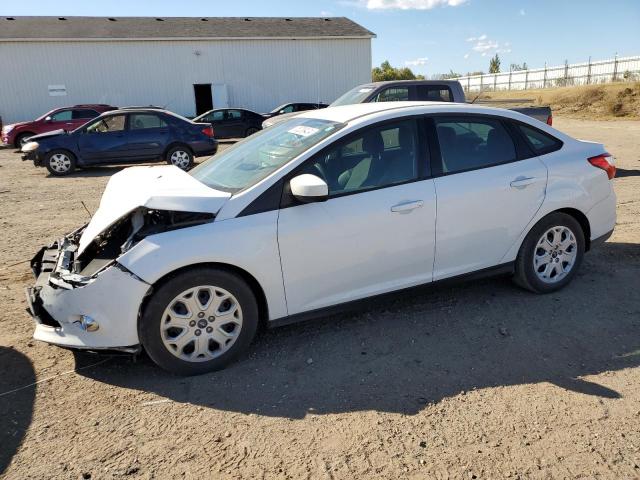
point(353, 96)
point(251, 160)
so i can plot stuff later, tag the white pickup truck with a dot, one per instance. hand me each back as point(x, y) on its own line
point(413, 90)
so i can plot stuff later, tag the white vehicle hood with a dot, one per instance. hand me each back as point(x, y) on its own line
point(162, 188)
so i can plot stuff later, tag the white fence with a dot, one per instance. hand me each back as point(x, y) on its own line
point(602, 71)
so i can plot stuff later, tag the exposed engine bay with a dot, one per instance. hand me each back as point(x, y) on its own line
point(69, 269)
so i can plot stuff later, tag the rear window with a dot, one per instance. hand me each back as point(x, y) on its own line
point(539, 142)
point(468, 143)
point(434, 93)
point(141, 121)
point(84, 113)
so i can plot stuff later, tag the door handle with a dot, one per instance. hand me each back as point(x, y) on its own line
point(406, 207)
point(522, 182)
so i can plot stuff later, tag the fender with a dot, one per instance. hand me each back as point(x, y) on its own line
point(229, 242)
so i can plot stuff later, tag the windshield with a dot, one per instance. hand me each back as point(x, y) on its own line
point(200, 118)
point(249, 161)
point(353, 96)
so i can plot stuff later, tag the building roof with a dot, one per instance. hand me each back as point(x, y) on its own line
point(152, 28)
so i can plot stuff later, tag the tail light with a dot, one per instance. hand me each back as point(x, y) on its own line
point(550, 120)
point(208, 131)
point(606, 162)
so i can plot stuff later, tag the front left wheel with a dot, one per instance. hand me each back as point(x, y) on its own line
point(60, 162)
point(199, 321)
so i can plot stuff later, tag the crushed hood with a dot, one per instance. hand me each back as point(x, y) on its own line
point(157, 188)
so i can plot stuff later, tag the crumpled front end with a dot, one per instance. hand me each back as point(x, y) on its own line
point(90, 304)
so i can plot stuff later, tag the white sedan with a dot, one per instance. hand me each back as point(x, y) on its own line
point(328, 207)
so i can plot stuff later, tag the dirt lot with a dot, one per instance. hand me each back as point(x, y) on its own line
point(481, 380)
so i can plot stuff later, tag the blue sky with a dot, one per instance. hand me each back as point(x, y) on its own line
point(430, 36)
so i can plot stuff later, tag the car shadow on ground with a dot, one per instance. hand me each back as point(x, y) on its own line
point(16, 407)
point(101, 171)
point(402, 354)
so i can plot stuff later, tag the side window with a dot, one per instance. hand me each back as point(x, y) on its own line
point(379, 156)
point(62, 116)
point(468, 143)
point(540, 142)
point(234, 115)
point(394, 94)
point(215, 116)
point(114, 123)
point(141, 121)
point(84, 113)
point(434, 93)
point(287, 109)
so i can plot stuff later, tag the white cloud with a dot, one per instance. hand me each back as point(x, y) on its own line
point(485, 46)
point(410, 4)
point(466, 55)
point(522, 12)
point(418, 62)
point(325, 13)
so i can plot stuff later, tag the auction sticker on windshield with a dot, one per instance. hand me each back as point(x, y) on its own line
point(303, 130)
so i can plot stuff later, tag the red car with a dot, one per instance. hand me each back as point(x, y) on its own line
point(66, 118)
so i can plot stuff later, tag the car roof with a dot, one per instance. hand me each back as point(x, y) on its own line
point(349, 113)
point(136, 110)
point(409, 82)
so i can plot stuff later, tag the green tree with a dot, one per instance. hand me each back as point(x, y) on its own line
point(386, 72)
point(494, 64)
point(446, 76)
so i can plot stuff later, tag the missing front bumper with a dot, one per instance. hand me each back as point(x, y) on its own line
point(112, 298)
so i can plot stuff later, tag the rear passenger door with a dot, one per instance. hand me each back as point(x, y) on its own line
point(235, 123)
point(488, 186)
point(147, 137)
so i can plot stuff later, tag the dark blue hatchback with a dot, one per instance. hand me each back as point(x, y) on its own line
point(123, 136)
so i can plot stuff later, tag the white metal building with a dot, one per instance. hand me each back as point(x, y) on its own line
point(255, 63)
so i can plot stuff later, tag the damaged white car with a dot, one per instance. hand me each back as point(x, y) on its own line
point(326, 208)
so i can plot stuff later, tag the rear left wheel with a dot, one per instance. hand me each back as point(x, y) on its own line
point(181, 157)
point(199, 321)
point(550, 254)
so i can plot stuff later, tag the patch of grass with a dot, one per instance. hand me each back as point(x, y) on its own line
point(602, 101)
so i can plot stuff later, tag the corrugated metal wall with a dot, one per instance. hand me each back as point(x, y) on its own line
point(259, 74)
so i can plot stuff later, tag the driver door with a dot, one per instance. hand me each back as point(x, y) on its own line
point(376, 231)
point(104, 140)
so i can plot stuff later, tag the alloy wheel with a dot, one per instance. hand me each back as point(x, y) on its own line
point(180, 159)
point(201, 323)
point(60, 162)
point(555, 254)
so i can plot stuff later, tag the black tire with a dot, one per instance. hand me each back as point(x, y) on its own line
point(50, 161)
point(525, 272)
point(185, 160)
point(21, 139)
point(149, 328)
point(251, 131)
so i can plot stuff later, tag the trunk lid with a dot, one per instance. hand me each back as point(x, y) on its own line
point(159, 188)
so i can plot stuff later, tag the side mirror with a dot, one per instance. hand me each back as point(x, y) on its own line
point(48, 119)
point(308, 188)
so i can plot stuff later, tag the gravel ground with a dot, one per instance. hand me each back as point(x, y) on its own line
point(480, 380)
